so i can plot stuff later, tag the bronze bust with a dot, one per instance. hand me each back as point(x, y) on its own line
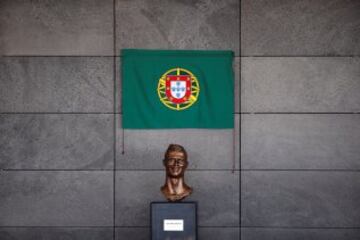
point(175, 162)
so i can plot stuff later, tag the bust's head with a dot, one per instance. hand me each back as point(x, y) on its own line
point(175, 161)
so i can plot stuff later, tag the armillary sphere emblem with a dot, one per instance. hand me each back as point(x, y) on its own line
point(178, 89)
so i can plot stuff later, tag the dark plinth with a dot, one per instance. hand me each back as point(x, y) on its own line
point(173, 221)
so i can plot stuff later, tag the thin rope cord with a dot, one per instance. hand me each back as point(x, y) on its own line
point(234, 149)
point(123, 141)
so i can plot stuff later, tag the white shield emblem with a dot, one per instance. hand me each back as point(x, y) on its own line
point(178, 89)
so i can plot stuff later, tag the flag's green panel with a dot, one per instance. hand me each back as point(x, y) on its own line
point(177, 89)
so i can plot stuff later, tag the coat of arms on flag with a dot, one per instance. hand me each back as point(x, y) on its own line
point(178, 89)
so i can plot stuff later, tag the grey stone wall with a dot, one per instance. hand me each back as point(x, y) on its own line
point(297, 97)
point(300, 128)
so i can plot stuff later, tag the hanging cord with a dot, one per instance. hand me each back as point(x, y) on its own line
point(234, 151)
point(123, 141)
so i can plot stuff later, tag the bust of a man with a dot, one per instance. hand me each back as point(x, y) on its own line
point(175, 162)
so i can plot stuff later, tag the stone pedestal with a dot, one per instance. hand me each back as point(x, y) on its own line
point(174, 221)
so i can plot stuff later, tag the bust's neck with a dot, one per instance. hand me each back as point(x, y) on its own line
point(175, 189)
point(175, 185)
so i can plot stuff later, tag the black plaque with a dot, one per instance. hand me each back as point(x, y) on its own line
point(173, 221)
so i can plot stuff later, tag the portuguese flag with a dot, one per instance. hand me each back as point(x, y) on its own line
point(177, 89)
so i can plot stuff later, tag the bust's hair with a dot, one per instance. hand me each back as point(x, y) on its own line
point(175, 148)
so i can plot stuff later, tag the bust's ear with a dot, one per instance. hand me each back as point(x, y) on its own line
point(186, 164)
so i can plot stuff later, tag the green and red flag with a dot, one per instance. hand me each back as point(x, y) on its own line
point(177, 89)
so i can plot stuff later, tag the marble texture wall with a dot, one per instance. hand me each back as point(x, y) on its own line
point(300, 121)
point(297, 105)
